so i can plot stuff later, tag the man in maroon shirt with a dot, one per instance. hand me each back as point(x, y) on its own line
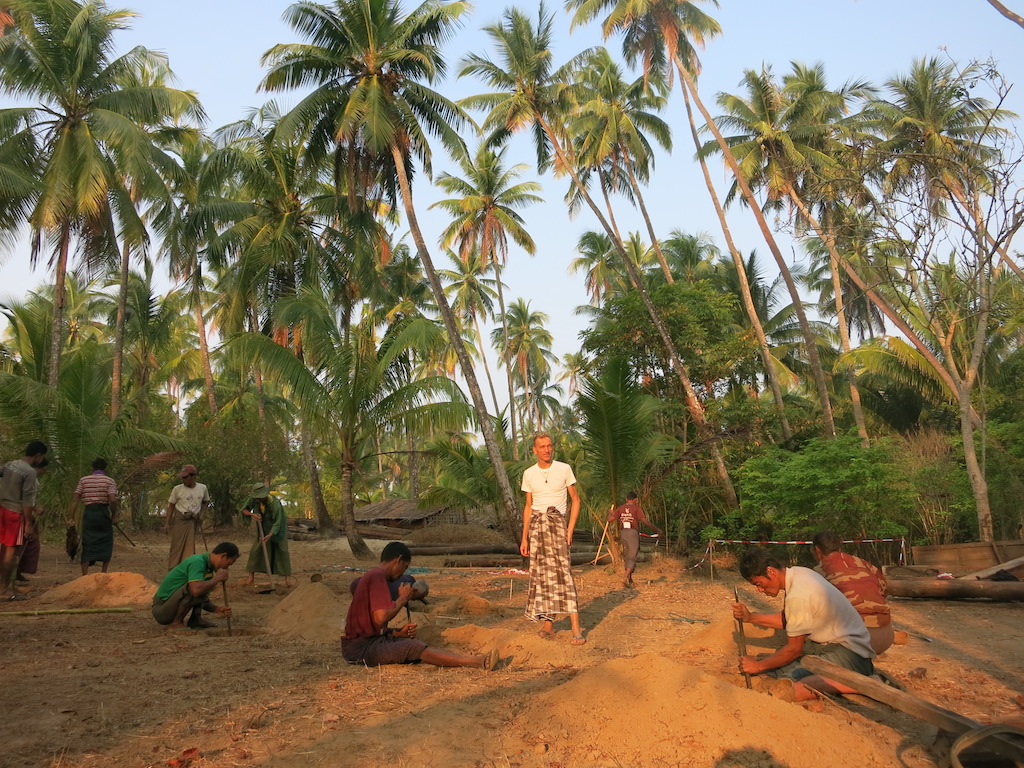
point(368, 639)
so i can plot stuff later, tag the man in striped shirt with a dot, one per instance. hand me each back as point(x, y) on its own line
point(862, 583)
point(98, 493)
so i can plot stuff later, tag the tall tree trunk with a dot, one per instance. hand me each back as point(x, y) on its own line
point(348, 516)
point(487, 368)
point(509, 518)
point(844, 338)
point(1016, 18)
point(655, 244)
point(122, 311)
point(817, 371)
point(204, 346)
point(324, 522)
point(741, 274)
point(414, 465)
point(59, 302)
point(693, 404)
point(513, 426)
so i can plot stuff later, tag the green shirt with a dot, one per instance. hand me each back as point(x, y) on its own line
point(275, 521)
point(194, 568)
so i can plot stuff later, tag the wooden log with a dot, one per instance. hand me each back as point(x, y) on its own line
point(946, 719)
point(1009, 565)
point(56, 611)
point(955, 589)
point(464, 549)
point(502, 561)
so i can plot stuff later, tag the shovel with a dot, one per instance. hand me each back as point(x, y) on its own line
point(266, 560)
point(741, 638)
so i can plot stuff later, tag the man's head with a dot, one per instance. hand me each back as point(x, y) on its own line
point(188, 475)
point(99, 464)
point(763, 570)
point(34, 452)
point(259, 491)
point(543, 448)
point(631, 496)
point(224, 555)
point(42, 466)
point(396, 556)
point(825, 543)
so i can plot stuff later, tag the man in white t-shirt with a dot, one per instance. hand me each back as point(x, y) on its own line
point(549, 486)
point(185, 508)
point(813, 610)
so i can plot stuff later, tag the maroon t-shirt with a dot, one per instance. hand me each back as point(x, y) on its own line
point(371, 595)
point(629, 515)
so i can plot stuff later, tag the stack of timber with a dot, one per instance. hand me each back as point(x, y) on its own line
point(972, 585)
point(302, 529)
point(385, 532)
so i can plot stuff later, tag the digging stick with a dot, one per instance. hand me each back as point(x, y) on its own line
point(741, 638)
point(266, 555)
point(224, 585)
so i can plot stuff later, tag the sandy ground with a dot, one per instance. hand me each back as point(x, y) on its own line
point(654, 686)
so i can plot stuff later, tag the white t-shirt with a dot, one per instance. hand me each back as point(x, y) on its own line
point(187, 501)
point(817, 609)
point(549, 486)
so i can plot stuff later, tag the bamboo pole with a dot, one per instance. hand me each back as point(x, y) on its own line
point(57, 611)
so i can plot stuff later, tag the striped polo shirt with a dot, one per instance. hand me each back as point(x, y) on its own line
point(96, 488)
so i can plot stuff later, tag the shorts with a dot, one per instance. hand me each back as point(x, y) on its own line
point(839, 655)
point(11, 533)
point(382, 649)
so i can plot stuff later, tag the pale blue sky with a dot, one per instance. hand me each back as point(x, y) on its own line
point(215, 46)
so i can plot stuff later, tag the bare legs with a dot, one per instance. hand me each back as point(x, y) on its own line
point(441, 658)
point(548, 630)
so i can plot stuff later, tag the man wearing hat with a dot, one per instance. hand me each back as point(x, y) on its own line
point(185, 509)
point(272, 530)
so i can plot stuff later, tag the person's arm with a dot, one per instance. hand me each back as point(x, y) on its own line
point(790, 652)
point(382, 616)
point(573, 514)
point(73, 509)
point(642, 518)
point(769, 620)
point(170, 514)
point(112, 500)
point(524, 545)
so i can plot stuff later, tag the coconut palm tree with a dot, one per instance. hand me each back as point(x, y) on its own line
point(89, 129)
point(530, 349)
point(531, 93)
point(371, 65)
point(597, 259)
point(485, 213)
point(664, 33)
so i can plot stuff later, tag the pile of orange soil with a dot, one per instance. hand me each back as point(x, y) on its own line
point(102, 590)
point(312, 612)
point(650, 710)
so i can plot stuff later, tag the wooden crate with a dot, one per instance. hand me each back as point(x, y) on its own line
point(960, 559)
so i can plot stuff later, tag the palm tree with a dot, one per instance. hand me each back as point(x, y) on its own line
point(668, 32)
point(372, 66)
point(532, 94)
point(88, 126)
point(484, 215)
point(603, 277)
point(613, 124)
point(529, 345)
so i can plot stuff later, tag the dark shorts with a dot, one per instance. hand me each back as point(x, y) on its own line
point(165, 611)
point(839, 655)
point(382, 649)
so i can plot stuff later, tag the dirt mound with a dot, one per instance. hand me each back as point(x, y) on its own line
point(102, 590)
point(650, 710)
point(720, 637)
point(520, 649)
point(457, 534)
point(312, 612)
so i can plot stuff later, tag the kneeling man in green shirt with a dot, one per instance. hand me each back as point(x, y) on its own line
point(188, 585)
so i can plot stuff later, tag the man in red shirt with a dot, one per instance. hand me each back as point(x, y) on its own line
point(862, 583)
point(368, 639)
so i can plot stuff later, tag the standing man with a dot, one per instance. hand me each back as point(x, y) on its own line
point(630, 517)
point(99, 495)
point(546, 540)
point(273, 526)
point(813, 610)
point(188, 586)
point(185, 509)
point(862, 583)
point(28, 561)
point(18, 489)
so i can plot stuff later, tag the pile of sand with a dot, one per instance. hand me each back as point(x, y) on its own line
point(650, 710)
point(102, 590)
point(312, 612)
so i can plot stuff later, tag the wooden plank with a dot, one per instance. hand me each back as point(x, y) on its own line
point(1009, 565)
point(956, 589)
point(946, 719)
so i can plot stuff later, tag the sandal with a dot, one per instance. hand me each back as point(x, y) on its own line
point(545, 634)
point(491, 662)
point(15, 597)
point(578, 640)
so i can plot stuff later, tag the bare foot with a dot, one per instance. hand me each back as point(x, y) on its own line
point(247, 582)
point(176, 627)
